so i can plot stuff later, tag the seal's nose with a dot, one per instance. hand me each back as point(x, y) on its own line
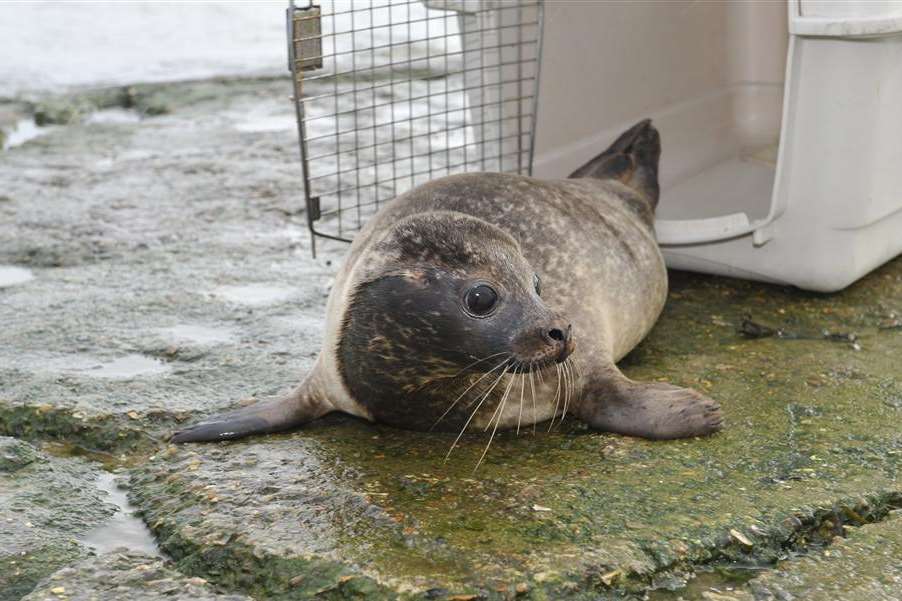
point(558, 334)
point(561, 337)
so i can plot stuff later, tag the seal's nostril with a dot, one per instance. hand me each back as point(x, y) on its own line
point(556, 334)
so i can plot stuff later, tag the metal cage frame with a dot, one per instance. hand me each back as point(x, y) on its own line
point(305, 39)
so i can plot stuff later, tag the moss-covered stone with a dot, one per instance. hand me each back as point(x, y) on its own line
point(46, 503)
point(15, 454)
point(124, 575)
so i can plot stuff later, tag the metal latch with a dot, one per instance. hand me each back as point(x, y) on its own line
point(306, 38)
point(314, 209)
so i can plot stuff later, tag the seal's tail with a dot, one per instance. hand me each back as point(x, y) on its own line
point(631, 159)
point(283, 413)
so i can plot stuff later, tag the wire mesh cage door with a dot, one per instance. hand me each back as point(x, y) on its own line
point(390, 94)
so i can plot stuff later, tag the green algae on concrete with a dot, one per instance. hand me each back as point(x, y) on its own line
point(45, 504)
point(122, 575)
point(812, 442)
point(864, 566)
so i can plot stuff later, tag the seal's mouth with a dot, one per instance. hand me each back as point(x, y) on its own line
point(537, 363)
point(525, 367)
point(556, 347)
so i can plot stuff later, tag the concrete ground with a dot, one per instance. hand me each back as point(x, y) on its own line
point(155, 267)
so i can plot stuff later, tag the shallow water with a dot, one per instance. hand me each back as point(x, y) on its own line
point(123, 529)
point(11, 276)
point(720, 580)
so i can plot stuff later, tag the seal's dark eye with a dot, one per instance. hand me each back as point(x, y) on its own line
point(537, 283)
point(481, 299)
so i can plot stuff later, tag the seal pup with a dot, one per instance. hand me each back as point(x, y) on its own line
point(492, 300)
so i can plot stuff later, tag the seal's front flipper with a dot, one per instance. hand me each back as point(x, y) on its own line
point(655, 410)
point(266, 417)
point(632, 159)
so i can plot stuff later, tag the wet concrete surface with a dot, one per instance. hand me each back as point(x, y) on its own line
point(170, 251)
point(143, 227)
point(124, 575)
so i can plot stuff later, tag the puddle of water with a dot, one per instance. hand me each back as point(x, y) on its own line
point(255, 295)
point(113, 115)
point(10, 276)
point(123, 529)
point(25, 130)
point(720, 580)
point(120, 368)
point(197, 334)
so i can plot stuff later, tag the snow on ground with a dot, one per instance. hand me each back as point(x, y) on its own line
point(49, 46)
point(57, 45)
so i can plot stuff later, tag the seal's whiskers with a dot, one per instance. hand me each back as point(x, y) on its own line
point(541, 375)
point(478, 405)
point(500, 412)
point(470, 387)
point(478, 361)
point(557, 395)
point(500, 405)
point(571, 386)
point(522, 388)
point(566, 391)
point(532, 388)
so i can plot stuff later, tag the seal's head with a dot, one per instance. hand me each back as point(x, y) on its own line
point(445, 292)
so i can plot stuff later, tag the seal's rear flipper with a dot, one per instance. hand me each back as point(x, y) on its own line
point(632, 159)
point(613, 403)
point(265, 417)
